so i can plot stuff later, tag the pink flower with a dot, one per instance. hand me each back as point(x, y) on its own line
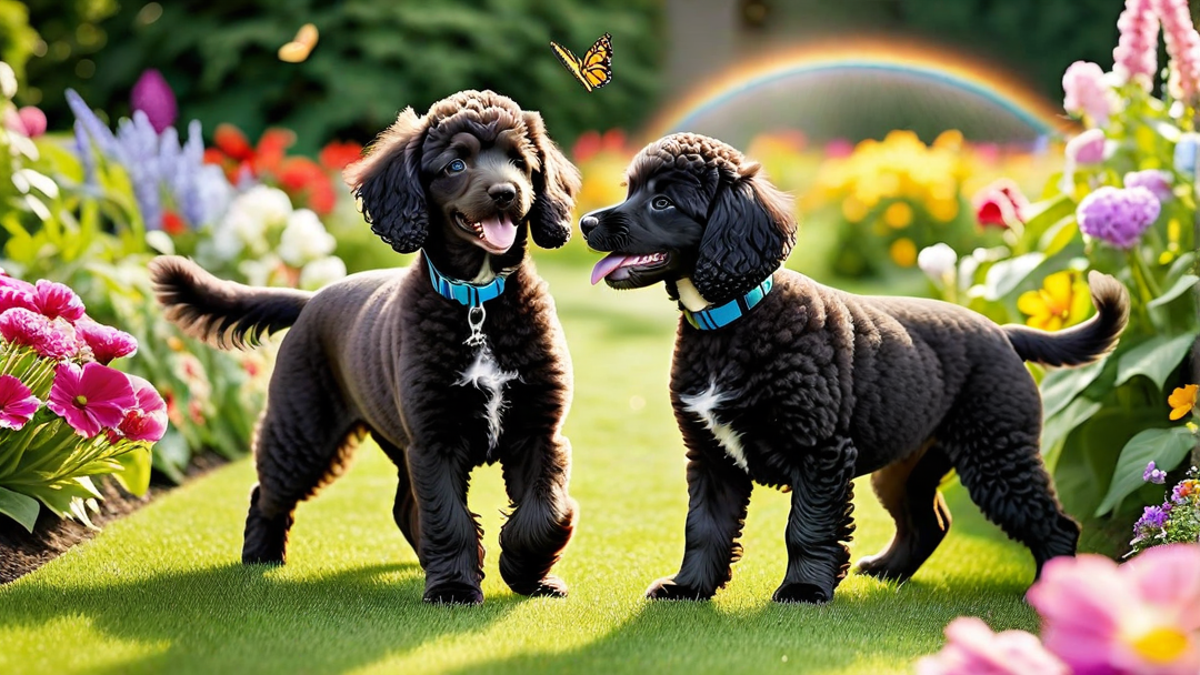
point(153, 96)
point(29, 121)
point(107, 343)
point(1182, 44)
point(53, 339)
point(1141, 618)
point(1156, 181)
point(1086, 148)
point(1086, 93)
point(1135, 58)
point(148, 420)
point(973, 649)
point(15, 296)
point(91, 398)
point(54, 300)
point(1000, 204)
point(17, 403)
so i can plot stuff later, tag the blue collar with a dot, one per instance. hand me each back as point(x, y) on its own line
point(723, 315)
point(462, 292)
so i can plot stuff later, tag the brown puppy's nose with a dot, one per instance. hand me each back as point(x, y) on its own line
point(587, 224)
point(502, 193)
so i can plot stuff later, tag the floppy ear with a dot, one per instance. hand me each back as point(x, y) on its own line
point(388, 181)
point(750, 231)
point(555, 184)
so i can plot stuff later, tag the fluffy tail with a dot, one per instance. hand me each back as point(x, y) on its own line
point(223, 313)
point(1080, 344)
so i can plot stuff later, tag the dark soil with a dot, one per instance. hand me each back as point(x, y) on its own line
point(22, 552)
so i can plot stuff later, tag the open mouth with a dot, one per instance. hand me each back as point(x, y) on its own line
point(619, 266)
point(496, 233)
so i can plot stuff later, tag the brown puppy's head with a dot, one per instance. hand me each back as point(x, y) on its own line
point(696, 209)
point(470, 172)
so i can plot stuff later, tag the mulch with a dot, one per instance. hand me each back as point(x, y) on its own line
point(22, 552)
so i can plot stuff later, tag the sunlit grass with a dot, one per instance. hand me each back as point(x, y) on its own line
point(162, 590)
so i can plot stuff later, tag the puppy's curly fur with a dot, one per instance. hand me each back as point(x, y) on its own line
point(383, 353)
point(815, 386)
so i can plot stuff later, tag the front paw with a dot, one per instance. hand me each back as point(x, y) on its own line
point(453, 593)
point(667, 589)
point(802, 592)
point(550, 586)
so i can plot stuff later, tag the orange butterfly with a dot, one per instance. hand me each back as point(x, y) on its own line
point(299, 48)
point(594, 70)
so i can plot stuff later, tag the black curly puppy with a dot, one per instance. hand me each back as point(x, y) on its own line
point(780, 380)
point(456, 361)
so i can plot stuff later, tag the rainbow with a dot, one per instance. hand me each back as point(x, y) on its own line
point(936, 64)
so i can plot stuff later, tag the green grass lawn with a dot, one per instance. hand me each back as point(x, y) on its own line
point(163, 591)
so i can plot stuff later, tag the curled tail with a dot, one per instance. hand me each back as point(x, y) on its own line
point(1080, 344)
point(222, 313)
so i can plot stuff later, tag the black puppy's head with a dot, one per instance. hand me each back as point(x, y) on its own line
point(696, 209)
point(477, 167)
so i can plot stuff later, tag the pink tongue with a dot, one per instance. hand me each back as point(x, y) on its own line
point(607, 266)
point(499, 231)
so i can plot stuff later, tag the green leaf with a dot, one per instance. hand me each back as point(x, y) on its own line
point(135, 473)
point(1006, 275)
point(1182, 286)
point(1046, 214)
point(21, 508)
point(1155, 358)
point(171, 454)
point(1058, 427)
point(1059, 235)
point(1165, 447)
point(1061, 386)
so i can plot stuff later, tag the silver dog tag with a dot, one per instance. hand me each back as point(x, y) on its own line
point(475, 318)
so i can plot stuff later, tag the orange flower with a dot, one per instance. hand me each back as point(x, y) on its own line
point(1182, 400)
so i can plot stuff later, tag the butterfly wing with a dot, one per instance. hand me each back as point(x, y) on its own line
point(571, 62)
point(597, 62)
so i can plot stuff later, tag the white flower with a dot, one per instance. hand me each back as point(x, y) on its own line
point(937, 261)
point(8, 81)
point(321, 272)
point(304, 239)
point(267, 205)
point(249, 217)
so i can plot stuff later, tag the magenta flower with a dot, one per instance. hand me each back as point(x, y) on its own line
point(1117, 216)
point(1142, 618)
point(1182, 45)
point(15, 296)
point(148, 420)
point(29, 121)
point(1154, 180)
point(54, 300)
point(1086, 148)
point(91, 398)
point(17, 403)
point(107, 343)
point(1135, 58)
point(153, 96)
point(1086, 93)
point(973, 649)
point(53, 339)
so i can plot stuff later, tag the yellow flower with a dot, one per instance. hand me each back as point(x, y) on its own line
point(1182, 400)
point(904, 252)
point(1049, 307)
point(898, 215)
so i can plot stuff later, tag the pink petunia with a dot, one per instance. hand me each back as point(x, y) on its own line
point(92, 397)
point(107, 343)
point(147, 421)
point(53, 339)
point(1140, 618)
point(973, 649)
point(54, 300)
point(17, 403)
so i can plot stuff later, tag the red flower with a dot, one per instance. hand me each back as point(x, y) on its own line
point(172, 224)
point(91, 398)
point(235, 154)
point(303, 178)
point(1000, 204)
point(148, 420)
point(17, 403)
point(336, 155)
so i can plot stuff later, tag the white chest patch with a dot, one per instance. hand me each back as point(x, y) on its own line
point(485, 375)
point(704, 406)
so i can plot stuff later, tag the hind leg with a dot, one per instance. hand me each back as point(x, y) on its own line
point(301, 443)
point(992, 439)
point(404, 512)
point(908, 490)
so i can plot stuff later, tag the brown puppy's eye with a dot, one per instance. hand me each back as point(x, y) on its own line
point(457, 166)
point(661, 203)
point(519, 163)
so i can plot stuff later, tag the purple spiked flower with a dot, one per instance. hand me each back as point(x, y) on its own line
point(153, 96)
point(1152, 474)
point(1118, 216)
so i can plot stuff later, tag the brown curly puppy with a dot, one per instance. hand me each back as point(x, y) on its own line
point(386, 352)
point(782, 381)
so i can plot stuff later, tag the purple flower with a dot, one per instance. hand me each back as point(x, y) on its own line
point(153, 96)
point(1117, 216)
point(1154, 475)
point(1154, 180)
point(1153, 517)
point(95, 130)
point(1086, 148)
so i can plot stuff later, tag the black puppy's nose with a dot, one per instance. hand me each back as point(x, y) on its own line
point(588, 223)
point(502, 193)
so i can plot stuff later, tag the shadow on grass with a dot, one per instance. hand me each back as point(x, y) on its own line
point(236, 619)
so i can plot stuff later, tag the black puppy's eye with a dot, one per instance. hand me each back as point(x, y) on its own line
point(661, 203)
point(457, 166)
point(518, 162)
